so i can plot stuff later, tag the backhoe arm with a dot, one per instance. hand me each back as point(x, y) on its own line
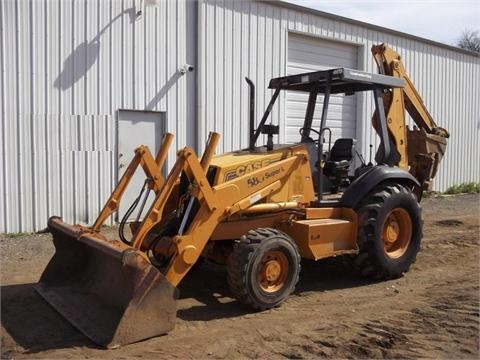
point(389, 63)
point(419, 150)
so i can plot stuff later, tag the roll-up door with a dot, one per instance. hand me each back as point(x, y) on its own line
point(306, 54)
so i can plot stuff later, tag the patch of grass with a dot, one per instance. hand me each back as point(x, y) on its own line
point(464, 188)
point(15, 235)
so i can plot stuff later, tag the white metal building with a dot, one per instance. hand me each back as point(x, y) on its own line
point(84, 82)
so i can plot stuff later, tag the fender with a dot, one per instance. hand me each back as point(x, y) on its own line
point(370, 179)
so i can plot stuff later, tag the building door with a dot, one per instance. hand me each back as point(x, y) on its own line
point(136, 128)
point(307, 54)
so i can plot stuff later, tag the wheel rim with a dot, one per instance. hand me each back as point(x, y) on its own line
point(397, 232)
point(273, 271)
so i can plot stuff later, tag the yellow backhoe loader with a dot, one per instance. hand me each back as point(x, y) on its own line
point(258, 210)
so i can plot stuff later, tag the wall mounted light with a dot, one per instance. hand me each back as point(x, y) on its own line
point(147, 3)
point(186, 68)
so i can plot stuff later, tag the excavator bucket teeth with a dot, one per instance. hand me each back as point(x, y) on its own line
point(106, 289)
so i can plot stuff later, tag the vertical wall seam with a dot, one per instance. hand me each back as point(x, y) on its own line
point(58, 118)
point(145, 57)
point(224, 69)
point(31, 117)
point(134, 57)
point(73, 103)
point(19, 118)
point(232, 78)
point(98, 80)
point(3, 119)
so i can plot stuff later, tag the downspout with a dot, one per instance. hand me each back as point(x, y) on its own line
point(200, 96)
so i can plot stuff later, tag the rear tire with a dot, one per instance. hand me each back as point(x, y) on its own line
point(263, 268)
point(389, 232)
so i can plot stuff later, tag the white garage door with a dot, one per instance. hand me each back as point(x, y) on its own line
point(306, 54)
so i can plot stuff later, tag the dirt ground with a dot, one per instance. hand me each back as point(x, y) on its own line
point(432, 312)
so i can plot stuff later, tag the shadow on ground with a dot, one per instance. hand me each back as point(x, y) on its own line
point(330, 274)
point(204, 296)
point(33, 324)
point(207, 284)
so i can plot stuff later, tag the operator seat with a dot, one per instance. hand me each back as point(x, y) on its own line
point(339, 160)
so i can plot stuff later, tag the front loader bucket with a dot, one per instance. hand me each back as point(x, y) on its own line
point(106, 289)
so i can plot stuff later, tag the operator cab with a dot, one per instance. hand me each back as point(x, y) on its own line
point(332, 165)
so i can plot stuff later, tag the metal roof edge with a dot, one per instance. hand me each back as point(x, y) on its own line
point(301, 8)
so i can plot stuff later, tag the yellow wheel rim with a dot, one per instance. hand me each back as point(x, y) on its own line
point(397, 233)
point(273, 271)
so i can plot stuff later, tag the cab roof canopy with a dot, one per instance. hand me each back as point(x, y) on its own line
point(342, 80)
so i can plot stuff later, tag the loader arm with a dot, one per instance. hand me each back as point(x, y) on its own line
point(215, 204)
point(419, 150)
point(152, 168)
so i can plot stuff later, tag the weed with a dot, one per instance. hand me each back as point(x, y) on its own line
point(16, 235)
point(468, 188)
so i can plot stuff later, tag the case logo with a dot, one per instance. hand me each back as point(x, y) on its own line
point(247, 168)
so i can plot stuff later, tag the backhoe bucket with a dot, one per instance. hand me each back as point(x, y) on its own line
point(431, 149)
point(106, 289)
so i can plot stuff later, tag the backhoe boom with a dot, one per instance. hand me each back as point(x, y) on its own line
point(419, 150)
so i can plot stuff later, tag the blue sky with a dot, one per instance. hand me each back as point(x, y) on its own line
point(441, 21)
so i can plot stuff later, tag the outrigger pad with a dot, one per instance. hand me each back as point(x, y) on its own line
point(106, 289)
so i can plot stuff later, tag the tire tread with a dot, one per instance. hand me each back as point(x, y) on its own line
point(368, 261)
point(240, 258)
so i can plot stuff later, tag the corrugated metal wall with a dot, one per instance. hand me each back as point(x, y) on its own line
point(66, 68)
point(250, 38)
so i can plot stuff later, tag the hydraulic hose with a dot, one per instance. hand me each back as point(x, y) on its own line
point(131, 209)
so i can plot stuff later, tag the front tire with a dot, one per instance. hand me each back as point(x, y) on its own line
point(389, 232)
point(263, 268)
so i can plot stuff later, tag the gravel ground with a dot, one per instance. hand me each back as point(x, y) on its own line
point(431, 312)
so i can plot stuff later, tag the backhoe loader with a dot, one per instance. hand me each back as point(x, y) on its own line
point(258, 210)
